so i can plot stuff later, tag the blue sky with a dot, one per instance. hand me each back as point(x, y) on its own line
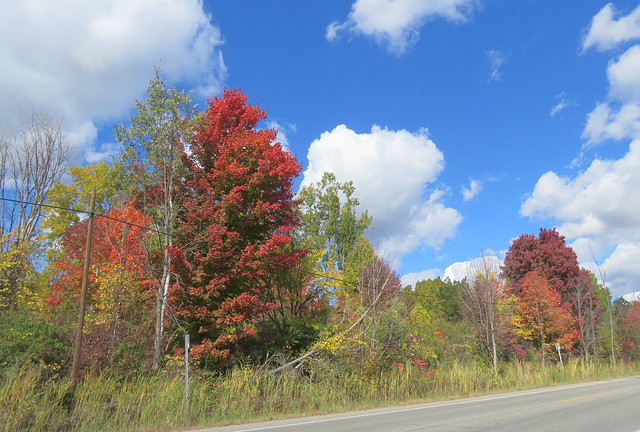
point(462, 123)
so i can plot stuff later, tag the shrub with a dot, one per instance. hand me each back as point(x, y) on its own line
point(27, 337)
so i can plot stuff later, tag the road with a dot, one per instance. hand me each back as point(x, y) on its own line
point(598, 406)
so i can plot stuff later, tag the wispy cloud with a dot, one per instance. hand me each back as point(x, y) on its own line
point(468, 193)
point(562, 103)
point(282, 130)
point(497, 60)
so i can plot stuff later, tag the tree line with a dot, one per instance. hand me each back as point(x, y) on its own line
point(202, 233)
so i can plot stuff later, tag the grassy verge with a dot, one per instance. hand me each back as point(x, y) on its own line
point(29, 401)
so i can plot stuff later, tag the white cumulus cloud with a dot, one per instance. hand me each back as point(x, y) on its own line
point(606, 32)
point(598, 210)
point(619, 117)
point(412, 278)
point(87, 61)
point(396, 23)
point(604, 200)
point(621, 267)
point(606, 122)
point(469, 269)
point(390, 171)
point(624, 76)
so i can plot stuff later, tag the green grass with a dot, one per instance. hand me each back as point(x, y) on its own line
point(30, 401)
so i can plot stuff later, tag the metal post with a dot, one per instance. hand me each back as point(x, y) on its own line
point(186, 370)
point(559, 355)
point(83, 295)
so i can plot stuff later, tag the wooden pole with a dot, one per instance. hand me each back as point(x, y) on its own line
point(83, 295)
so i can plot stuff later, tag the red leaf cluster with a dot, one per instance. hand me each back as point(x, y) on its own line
point(239, 213)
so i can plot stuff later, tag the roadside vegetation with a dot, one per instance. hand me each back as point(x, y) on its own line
point(30, 401)
point(195, 233)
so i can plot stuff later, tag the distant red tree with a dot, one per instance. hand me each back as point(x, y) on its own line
point(630, 332)
point(238, 215)
point(547, 255)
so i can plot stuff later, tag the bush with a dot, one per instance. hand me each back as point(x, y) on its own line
point(27, 337)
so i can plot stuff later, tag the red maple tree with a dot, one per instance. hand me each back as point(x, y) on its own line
point(239, 213)
point(547, 255)
point(630, 331)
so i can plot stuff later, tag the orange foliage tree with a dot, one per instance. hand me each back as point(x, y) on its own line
point(117, 294)
point(541, 317)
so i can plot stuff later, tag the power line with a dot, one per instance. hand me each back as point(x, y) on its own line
point(146, 228)
point(287, 266)
point(87, 212)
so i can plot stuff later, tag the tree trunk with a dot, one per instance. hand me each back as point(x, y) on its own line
point(157, 342)
point(161, 300)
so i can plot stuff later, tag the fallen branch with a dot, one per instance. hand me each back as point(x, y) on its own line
point(296, 361)
point(316, 349)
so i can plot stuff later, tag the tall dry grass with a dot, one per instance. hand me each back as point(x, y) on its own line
point(29, 401)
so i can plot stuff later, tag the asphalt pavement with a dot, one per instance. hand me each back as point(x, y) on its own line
point(599, 406)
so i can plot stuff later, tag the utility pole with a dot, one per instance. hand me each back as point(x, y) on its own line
point(83, 295)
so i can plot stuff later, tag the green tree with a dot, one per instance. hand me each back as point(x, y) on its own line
point(610, 315)
point(329, 218)
point(154, 145)
point(301, 304)
point(29, 337)
point(442, 298)
point(434, 311)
